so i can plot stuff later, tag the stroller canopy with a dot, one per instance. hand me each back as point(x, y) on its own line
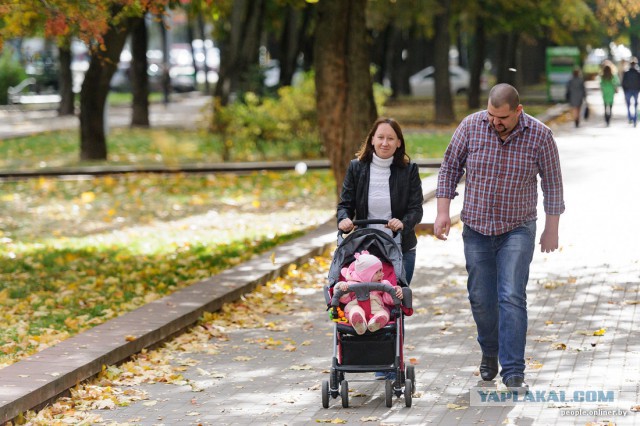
point(376, 242)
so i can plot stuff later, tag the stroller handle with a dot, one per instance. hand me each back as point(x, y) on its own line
point(397, 236)
point(362, 291)
point(363, 222)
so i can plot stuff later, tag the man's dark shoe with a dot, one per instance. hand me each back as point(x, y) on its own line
point(515, 383)
point(488, 367)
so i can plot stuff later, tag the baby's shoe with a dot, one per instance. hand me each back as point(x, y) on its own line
point(377, 322)
point(358, 322)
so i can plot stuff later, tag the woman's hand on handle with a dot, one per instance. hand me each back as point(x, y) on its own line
point(345, 225)
point(395, 225)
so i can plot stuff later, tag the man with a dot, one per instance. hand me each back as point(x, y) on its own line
point(502, 150)
point(631, 87)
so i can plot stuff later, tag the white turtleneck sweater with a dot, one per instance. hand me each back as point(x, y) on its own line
point(379, 195)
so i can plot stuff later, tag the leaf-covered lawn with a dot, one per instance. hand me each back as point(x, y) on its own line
point(118, 386)
point(75, 253)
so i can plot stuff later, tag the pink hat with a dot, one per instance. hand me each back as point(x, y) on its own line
point(364, 267)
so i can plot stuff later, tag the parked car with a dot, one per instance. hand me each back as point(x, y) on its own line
point(423, 82)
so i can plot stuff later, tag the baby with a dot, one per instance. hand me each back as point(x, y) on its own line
point(366, 268)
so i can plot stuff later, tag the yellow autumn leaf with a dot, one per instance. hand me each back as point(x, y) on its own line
point(72, 323)
point(242, 358)
point(256, 204)
point(300, 367)
point(600, 332)
point(456, 407)
point(87, 197)
point(4, 295)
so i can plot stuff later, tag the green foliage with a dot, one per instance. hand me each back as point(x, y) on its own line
point(282, 127)
point(76, 253)
point(11, 73)
point(272, 128)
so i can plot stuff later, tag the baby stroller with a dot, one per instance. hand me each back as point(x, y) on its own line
point(380, 351)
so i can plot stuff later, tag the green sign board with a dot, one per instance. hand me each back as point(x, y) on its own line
point(560, 62)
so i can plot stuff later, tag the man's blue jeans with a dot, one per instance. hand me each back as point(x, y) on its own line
point(628, 96)
point(498, 268)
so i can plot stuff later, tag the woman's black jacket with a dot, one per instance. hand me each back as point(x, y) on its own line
point(405, 188)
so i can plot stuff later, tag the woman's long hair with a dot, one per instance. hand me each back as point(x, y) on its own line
point(400, 157)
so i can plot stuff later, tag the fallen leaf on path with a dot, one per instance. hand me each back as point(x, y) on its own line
point(456, 407)
point(242, 358)
point(600, 332)
point(300, 367)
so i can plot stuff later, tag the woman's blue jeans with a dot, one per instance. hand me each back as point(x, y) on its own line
point(409, 264)
point(498, 268)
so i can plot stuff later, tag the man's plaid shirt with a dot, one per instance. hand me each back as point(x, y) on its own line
point(501, 182)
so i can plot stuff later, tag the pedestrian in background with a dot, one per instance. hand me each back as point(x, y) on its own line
point(609, 85)
point(576, 95)
point(631, 88)
point(503, 151)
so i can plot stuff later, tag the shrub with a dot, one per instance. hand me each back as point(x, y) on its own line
point(274, 128)
point(11, 73)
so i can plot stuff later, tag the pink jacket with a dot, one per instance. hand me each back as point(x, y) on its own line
point(384, 296)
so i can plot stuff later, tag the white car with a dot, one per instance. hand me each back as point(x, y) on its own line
point(423, 82)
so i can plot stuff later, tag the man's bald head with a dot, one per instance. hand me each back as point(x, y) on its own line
point(504, 93)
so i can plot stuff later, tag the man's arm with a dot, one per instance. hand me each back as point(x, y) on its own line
point(442, 224)
point(549, 237)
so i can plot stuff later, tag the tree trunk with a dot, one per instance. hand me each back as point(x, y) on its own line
point(66, 106)
point(477, 64)
point(306, 35)
point(95, 88)
point(239, 50)
point(506, 58)
point(166, 64)
point(139, 75)
point(397, 62)
point(443, 99)
point(205, 65)
point(289, 45)
point(344, 92)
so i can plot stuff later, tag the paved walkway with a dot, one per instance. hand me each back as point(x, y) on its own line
point(182, 111)
point(584, 332)
point(583, 335)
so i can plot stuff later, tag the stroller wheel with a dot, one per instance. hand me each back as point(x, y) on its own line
point(344, 393)
point(388, 392)
point(407, 392)
point(325, 394)
point(411, 375)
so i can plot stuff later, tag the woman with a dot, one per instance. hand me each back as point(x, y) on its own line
point(576, 94)
point(382, 183)
point(609, 85)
